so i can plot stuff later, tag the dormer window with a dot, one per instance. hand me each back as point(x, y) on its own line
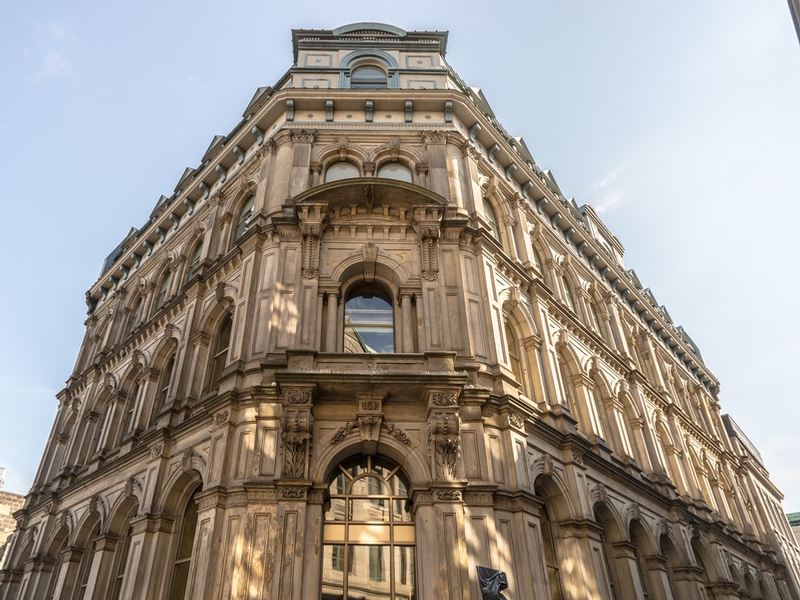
point(368, 78)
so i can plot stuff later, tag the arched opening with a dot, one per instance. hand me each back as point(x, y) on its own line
point(550, 556)
point(136, 315)
point(85, 568)
point(368, 77)
point(194, 262)
point(491, 219)
point(162, 290)
point(183, 554)
point(220, 356)
point(245, 216)
point(569, 298)
point(163, 386)
point(341, 170)
point(609, 567)
point(397, 171)
point(369, 536)
point(368, 320)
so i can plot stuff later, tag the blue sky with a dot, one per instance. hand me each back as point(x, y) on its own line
point(678, 121)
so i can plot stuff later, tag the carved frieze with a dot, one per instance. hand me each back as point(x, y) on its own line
point(396, 433)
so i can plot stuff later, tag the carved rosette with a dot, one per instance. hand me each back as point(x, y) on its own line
point(297, 434)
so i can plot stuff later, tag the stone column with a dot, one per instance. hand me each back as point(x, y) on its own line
point(408, 325)
point(333, 322)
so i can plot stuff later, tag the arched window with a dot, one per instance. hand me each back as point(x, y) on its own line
point(163, 387)
point(220, 356)
point(537, 260)
point(595, 319)
point(245, 216)
point(488, 212)
point(86, 563)
point(395, 170)
point(341, 170)
point(194, 264)
point(119, 578)
point(130, 410)
point(368, 77)
point(566, 384)
point(369, 534)
point(162, 290)
point(550, 558)
point(183, 555)
point(135, 315)
point(513, 352)
point(368, 320)
point(568, 297)
point(56, 572)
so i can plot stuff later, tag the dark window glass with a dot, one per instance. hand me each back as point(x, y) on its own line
point(162, 291)
point(245, 216)
point(220, 352)
point(183, 557)
point(368, 321)
point(194, 265)
point(368, 78)
point(137, 313)
point(488, 212)
point(550, 555)
point(163, 391)
point(121, 566)
point(513, 353)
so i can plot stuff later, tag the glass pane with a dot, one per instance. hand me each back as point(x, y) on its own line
point(369, 534)
point(370, 340)
point(404, 568)
point(334, 532)
point(370, 577)
point(341, 170)
point(337, 510)
point(368, 72)
point(364, 310)
point(368, 485)
point(396, 171)
point(333, 564)
point(373, 509)
point(187, 534)
point(401, 513)
point(179, 579)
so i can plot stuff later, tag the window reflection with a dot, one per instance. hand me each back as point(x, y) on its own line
point(369, 535)
point(368, 321)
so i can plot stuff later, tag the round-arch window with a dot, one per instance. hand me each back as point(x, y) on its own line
point(396, 171)
point(369, 534)
point(368, 321)
point(341, 170)
point(368, 78)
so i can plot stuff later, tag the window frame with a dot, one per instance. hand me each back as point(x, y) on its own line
point(220, 355)
point(384, 294)
point(328, 169)
point(368, 83)
point(246, 214)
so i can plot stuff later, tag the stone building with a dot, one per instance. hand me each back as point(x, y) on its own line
point(9, 503)
point(367, 346)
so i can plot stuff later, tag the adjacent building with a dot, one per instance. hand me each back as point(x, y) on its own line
point(367, 346)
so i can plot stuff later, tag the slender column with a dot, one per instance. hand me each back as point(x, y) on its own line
point(333, 322)
point(408, 329)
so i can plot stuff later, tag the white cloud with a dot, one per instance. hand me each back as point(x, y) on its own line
point(53, 41)
point(608, 192)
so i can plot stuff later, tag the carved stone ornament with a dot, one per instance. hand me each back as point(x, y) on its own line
point(396, 433)
point(444, 435)
point(449, 495)
point(370, 427)
point(342, 433)
point(297, 426)
point(157, 451)
point(370, 255)
point(293, 493)
point(434, 137)
point(429, 251)
point(516, 421)
point(298, 396)
point(303, 136)
point(312, 233)
point(221, 417)
point(444, 398)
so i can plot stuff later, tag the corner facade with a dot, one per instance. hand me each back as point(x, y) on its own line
point(368, 346)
